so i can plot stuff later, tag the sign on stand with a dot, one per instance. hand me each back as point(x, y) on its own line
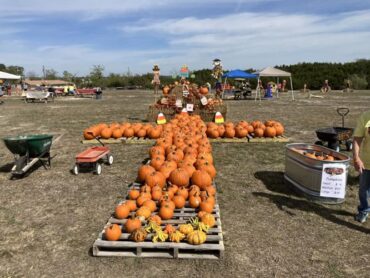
point(189, 107)
point(178, 103)
point(333, 181)
point(204, 101)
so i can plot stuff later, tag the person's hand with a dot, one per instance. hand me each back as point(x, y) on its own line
point(359, 165)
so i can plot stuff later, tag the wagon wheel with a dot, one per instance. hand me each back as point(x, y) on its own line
point(76, 169)
point(110, 159)
point(98, 168)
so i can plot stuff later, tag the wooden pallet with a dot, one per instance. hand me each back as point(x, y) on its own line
point(213, 248)
point(278, 139)
point(250, 139)
point(105, 141)
point(229, 140)
point(137, 140)
point(122, 140)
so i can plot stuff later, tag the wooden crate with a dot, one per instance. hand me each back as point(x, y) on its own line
point(213, 248)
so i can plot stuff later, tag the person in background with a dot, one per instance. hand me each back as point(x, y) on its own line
point(1, 94)
point(361, 162)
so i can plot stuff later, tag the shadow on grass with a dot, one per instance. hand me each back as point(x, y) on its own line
point(274, 181)
point(6, 168)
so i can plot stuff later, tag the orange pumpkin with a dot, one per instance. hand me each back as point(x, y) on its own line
point(112, 232)
point(270, 132)
point(122, 211)
point(106, 133)
point(143, 212)
point(165, 212)
point(155, 178)
point(117, 133)
point(150, 204)
point(179, 201)
point(132, 224)
point(179, 177)
point(202, 179)
point(129, 132)
point(134, 194)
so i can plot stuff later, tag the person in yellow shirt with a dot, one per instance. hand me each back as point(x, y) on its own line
point(361, 161)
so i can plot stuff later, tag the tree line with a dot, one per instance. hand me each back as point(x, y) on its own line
point(312, 74)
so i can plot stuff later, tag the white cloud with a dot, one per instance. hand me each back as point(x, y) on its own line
point(241, 40)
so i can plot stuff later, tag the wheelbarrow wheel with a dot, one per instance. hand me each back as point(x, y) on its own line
point(334, 146)
point(319, 143)
point(98, 169)
point(349, 145)
point(76, 169)
point(110, 159)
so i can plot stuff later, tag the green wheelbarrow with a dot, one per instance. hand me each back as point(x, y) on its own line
point(28, 150)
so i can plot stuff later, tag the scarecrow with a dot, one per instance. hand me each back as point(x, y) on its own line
point(156, 82)
point(217, 74)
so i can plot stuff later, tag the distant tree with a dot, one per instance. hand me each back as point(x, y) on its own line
point(96, 75)
point(359, 82)
point(67, 76)
point(15, 70)
point(51, 74)
point(2, 67)
point(32, 75)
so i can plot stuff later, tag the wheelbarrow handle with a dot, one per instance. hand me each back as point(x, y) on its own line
point(343, 111)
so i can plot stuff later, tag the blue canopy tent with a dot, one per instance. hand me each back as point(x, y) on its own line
point(238, 74)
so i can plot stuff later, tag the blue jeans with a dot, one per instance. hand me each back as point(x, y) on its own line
point(364, 191)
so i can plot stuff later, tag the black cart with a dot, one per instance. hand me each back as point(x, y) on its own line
point(334, 137)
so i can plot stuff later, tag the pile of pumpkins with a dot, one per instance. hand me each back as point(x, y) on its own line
point(242, 129)
point(128, 130)
point(180, 173)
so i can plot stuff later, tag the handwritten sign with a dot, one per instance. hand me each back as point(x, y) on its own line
point(189, 107)
point(178, 103)
point(333, 181)
point(204, 100)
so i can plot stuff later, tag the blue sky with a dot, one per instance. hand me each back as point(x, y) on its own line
point(74, 35)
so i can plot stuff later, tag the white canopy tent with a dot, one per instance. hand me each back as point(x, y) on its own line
point(273, 72)
point(7, 76)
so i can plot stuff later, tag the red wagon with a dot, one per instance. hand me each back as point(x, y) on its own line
point(93, 158)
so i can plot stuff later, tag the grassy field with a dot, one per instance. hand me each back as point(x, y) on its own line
point(50, 219)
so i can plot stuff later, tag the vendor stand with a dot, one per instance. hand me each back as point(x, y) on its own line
point(186, 95)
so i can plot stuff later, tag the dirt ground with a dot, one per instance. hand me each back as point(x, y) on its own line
point(49, 220)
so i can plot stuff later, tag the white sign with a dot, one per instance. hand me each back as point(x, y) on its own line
point(178, 103)
point(189, 107)
point(204, 100)
point(333, 181)
point(185, 93)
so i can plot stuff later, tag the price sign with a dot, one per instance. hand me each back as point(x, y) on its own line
point(185, 93)
point(204, 100)
point(178, 103)
point(189, 107)
point(333, 181)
